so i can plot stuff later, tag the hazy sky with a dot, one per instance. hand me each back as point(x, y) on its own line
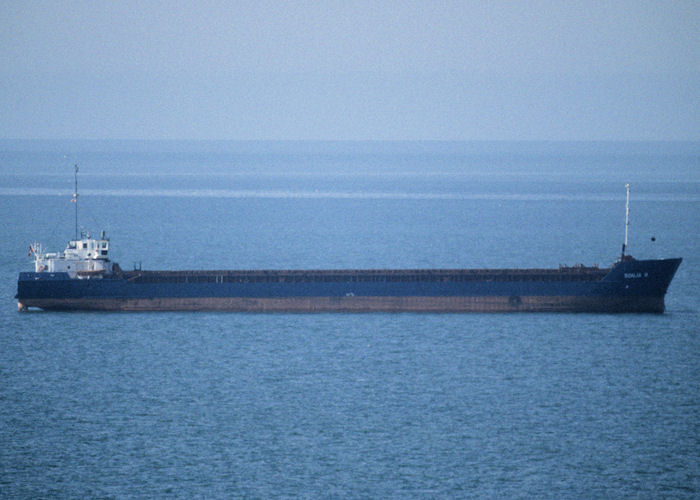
point(350, 70)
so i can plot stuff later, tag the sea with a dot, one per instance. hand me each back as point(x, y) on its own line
point(396, 405)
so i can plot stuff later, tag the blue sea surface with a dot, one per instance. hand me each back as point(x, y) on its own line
point(351, 405)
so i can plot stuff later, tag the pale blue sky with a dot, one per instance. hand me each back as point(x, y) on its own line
point(532, 70)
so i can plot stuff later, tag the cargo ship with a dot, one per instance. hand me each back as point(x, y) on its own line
point(82, 277)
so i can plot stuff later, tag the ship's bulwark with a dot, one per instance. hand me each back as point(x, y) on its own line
point(630, 286)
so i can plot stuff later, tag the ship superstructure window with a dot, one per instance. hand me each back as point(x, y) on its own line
point(84, 245)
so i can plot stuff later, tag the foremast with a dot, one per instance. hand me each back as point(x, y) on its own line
point(627, 224)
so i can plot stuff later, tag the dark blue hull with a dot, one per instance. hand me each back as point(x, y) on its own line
point(629, 286)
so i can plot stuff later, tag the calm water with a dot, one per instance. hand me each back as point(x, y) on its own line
point(342, 405)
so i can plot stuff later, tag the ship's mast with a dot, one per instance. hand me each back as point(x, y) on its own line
point(627, 220)
point(75, 200)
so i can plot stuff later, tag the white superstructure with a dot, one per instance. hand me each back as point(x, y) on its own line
point(83, 258)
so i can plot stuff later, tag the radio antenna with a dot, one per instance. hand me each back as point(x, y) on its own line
point(75, 200)
point(627, 221)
